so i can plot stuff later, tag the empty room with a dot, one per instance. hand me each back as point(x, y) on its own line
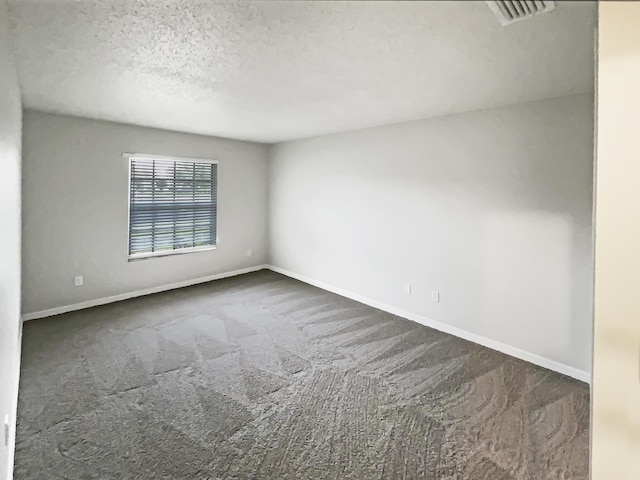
point(314, 240)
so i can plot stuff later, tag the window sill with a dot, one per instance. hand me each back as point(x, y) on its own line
point(166, 253)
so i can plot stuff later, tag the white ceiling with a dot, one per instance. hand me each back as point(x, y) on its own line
point(273, 71)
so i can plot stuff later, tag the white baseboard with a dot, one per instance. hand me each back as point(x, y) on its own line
point(443, 327)
point(138, 293)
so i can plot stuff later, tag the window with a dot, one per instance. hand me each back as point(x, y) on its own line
point(172, 205)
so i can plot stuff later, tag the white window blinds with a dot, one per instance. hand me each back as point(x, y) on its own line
point(172, 205)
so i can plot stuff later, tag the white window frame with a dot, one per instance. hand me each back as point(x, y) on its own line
point(164, 253)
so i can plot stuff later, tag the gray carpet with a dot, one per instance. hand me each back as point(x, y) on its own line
point(263, 377)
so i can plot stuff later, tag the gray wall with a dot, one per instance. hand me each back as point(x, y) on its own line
point(491, 208)
point(10, 125)
point(75, 202)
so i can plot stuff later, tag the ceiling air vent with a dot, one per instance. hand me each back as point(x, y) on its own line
point(509, 11)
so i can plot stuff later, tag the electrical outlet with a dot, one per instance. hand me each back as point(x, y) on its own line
point(6, 430)
point(435, 296)
point(79, 281)
point(407, 288)
point(249, 252)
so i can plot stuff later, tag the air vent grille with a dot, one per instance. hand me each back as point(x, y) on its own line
point(509, 11)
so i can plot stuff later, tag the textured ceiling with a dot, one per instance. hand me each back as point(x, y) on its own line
point(273, 71)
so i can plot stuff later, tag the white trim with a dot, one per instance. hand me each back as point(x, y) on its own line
point(138, 293)
point(536, 359)
point(165, 253)
point(147, 156)
point(128, 203)
point(13, 415)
